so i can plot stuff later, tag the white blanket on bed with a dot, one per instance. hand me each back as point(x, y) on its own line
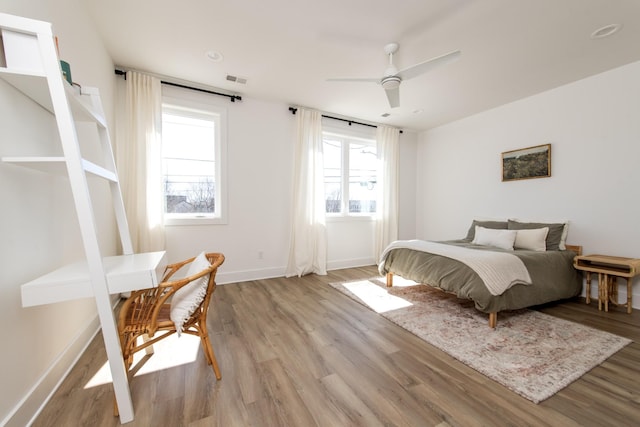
point(498, 270)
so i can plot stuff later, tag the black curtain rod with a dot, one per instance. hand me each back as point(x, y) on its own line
point(233, 98)
point(350, 122)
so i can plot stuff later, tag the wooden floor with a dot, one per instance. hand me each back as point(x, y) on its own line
point(295, 352)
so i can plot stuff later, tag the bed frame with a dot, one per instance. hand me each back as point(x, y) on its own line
point(493, 317)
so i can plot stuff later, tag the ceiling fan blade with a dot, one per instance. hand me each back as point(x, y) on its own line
point(423, 67)
point(355, 79)
point(393, 95)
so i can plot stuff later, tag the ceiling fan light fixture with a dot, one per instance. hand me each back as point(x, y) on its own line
point(606, 31)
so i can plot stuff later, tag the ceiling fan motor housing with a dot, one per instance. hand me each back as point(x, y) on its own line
point(390, 82)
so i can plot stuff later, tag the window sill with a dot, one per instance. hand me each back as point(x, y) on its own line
point(350, 218)
point(169, 222)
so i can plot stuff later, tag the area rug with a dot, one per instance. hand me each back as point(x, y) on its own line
point(530, 353)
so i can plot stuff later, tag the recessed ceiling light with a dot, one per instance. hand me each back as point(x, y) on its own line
point(214, 56)
point(606, 31)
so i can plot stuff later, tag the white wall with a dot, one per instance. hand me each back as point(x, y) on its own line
point(593, 126)
point(255, 240)
point(38, 226)
point(259, 161)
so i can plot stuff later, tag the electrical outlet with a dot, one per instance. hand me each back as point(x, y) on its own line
point(260, 255)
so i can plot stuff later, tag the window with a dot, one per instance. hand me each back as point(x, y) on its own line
point(350, 175)
point(192, 162)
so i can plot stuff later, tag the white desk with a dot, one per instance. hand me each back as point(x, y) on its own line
point(124, 273)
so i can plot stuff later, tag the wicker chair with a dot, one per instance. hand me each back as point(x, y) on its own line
point(147, 313)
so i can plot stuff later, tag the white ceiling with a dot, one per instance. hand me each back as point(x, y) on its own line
point(286, 49)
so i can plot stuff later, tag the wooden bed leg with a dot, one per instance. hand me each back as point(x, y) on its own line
point(389, 280)
point(493, 320)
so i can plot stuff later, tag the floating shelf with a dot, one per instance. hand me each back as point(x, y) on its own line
point(58, 166)
point(34, 85)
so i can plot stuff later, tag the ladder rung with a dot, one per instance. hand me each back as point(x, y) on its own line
point(99, 171)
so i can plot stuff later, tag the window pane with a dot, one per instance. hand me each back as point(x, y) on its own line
point(362, 178)
point(350, 168)
point(333, 175)
point(189, 164)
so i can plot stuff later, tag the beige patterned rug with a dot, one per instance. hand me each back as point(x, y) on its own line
point(531, 353)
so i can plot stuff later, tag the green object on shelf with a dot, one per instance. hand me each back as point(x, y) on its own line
point(66, 71)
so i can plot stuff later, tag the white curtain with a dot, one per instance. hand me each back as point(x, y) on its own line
point(386, 230)
point(308, 246)
point(139, 162)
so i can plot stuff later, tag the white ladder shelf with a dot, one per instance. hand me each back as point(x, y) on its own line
point(33, 67)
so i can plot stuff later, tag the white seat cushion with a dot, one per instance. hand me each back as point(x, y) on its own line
point(188, 298)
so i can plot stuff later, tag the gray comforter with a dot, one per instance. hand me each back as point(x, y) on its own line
point(552, 274)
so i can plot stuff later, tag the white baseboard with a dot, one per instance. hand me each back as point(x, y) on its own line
point(30, 406)
point(269, 273)
point(248, 275)
point(350, 263)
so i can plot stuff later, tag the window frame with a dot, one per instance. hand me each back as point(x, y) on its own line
point(200, 106)
point(346, 137)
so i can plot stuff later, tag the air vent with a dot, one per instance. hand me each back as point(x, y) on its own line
point(236, 79)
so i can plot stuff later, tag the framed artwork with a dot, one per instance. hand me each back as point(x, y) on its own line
point(527, 163)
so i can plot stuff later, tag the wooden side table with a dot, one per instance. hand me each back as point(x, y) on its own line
point(609, 268)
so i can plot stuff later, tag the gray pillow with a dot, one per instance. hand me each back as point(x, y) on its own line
point(496, 225)
point(553, 237)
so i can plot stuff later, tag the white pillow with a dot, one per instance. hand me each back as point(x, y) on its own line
point(503, 239)
point(534, 239)
point(565, 230)
point(188, 298)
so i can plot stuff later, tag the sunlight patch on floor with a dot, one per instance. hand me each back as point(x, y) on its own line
point(168, 353)
point(376, 297)
point(400, 282)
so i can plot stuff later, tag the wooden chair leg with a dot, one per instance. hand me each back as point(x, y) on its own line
point(214, 364)
point(148, 350)
point(205, 348)
point(211, 357)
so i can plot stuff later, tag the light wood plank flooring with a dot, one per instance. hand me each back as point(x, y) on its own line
point(295, 352)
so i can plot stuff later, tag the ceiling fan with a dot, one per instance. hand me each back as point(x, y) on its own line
point(392, 77)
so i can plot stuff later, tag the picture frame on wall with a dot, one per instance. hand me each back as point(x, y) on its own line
point(527, 163)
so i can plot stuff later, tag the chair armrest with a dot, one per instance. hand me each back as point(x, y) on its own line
point(143, 306)
point(170, 269)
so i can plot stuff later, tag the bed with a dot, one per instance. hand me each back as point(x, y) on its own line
point(540, 248)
